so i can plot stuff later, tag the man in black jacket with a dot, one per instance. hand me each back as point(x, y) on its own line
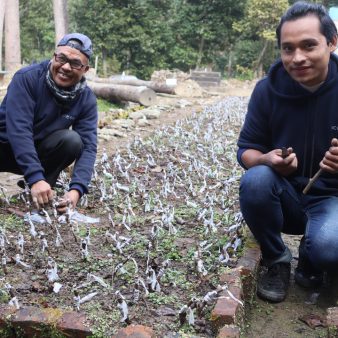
point(48, 119)
point(290, 132)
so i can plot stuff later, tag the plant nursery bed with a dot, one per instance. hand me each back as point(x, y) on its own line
point(146, 246)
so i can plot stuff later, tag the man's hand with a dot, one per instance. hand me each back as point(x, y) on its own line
point(42, 194)
point(71, 197)
point(284, 162)
point(330, 160)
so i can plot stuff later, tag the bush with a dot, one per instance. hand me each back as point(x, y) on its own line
point(244, 73)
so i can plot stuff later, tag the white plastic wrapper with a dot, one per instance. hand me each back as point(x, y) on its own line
point(80, 218)
point(76, 216)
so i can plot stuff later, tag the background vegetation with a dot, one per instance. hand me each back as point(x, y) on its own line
point(235, 37)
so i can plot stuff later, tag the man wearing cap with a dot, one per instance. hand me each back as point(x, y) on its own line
point(48, 120)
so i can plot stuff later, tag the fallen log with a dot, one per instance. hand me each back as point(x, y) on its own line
point(114, 92)
point(134, 81)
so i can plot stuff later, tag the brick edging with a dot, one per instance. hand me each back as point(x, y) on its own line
point(42, 322)
point(228, 315)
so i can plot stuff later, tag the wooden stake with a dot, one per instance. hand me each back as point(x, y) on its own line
point(311, 181)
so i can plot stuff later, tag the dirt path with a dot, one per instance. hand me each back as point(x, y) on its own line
point(266, 320)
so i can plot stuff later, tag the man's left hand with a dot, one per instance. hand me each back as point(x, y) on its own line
point(330, 160)
point(70, 197)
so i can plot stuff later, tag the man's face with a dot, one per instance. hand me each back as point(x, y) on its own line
point(63, 74)
point(304, 50)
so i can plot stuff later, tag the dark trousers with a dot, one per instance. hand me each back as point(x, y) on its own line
point(56, 152)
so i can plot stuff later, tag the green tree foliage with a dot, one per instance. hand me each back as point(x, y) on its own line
point(206, 27)
point(36, 30)
point(326, 3)
point(259, 23)
point(140, 36)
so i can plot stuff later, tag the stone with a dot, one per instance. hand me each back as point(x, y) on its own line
point(143, 123)
point(135, 331)
point(183, 103)
point(137, 115)
point(110, 133)
point(151, 114)
point(123, 123)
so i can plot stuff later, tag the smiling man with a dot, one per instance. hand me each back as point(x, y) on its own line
point(290, 132)
point(48, 120)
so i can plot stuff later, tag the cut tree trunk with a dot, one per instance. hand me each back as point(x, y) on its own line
point(12, 36)
point(2, 17)
point(133, 81)
point(60, 19)
point(115, 92)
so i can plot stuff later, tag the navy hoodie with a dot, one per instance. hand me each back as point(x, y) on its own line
point(281, 113)
point(29, 112)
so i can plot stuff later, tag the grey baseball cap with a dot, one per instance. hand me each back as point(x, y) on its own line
point(84, 44)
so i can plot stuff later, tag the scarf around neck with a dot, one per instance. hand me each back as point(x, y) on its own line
point(62, 95)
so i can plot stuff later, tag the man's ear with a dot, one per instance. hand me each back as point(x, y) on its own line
point(333, 44)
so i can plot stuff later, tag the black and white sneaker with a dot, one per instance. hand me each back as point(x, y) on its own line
point(273, 282)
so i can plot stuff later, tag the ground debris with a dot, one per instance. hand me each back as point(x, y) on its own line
point(313, 320)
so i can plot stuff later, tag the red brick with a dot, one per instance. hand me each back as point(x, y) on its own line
point(249, 263)
point(229, 331)
point(227, 310)
point(332, 322)
point(6, 313)
point(135, 331)
point(31, 321)
point(74, 324)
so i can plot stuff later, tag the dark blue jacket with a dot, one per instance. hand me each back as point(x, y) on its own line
point(29, 113)
point(281, 113)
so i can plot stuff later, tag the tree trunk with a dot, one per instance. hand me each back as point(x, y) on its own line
point(259, 68)
point(2, 17)
point(12, 35)
point(118, 93)
point(104, 61)
point(200, 53)
point(133, 81)
point(60, 19)
point(230, 64)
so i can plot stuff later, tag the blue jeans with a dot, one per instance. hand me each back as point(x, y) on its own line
point(270, 206)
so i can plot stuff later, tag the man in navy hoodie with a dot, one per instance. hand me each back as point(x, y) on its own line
point(289, 134)
point(48, 120)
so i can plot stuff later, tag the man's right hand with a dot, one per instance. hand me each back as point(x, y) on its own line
point(284, 166)
point(42, 194)
point(274, 159)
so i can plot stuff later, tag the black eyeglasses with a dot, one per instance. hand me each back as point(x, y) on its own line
point(74, 64)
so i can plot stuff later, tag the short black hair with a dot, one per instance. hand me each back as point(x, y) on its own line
point(301, 9)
